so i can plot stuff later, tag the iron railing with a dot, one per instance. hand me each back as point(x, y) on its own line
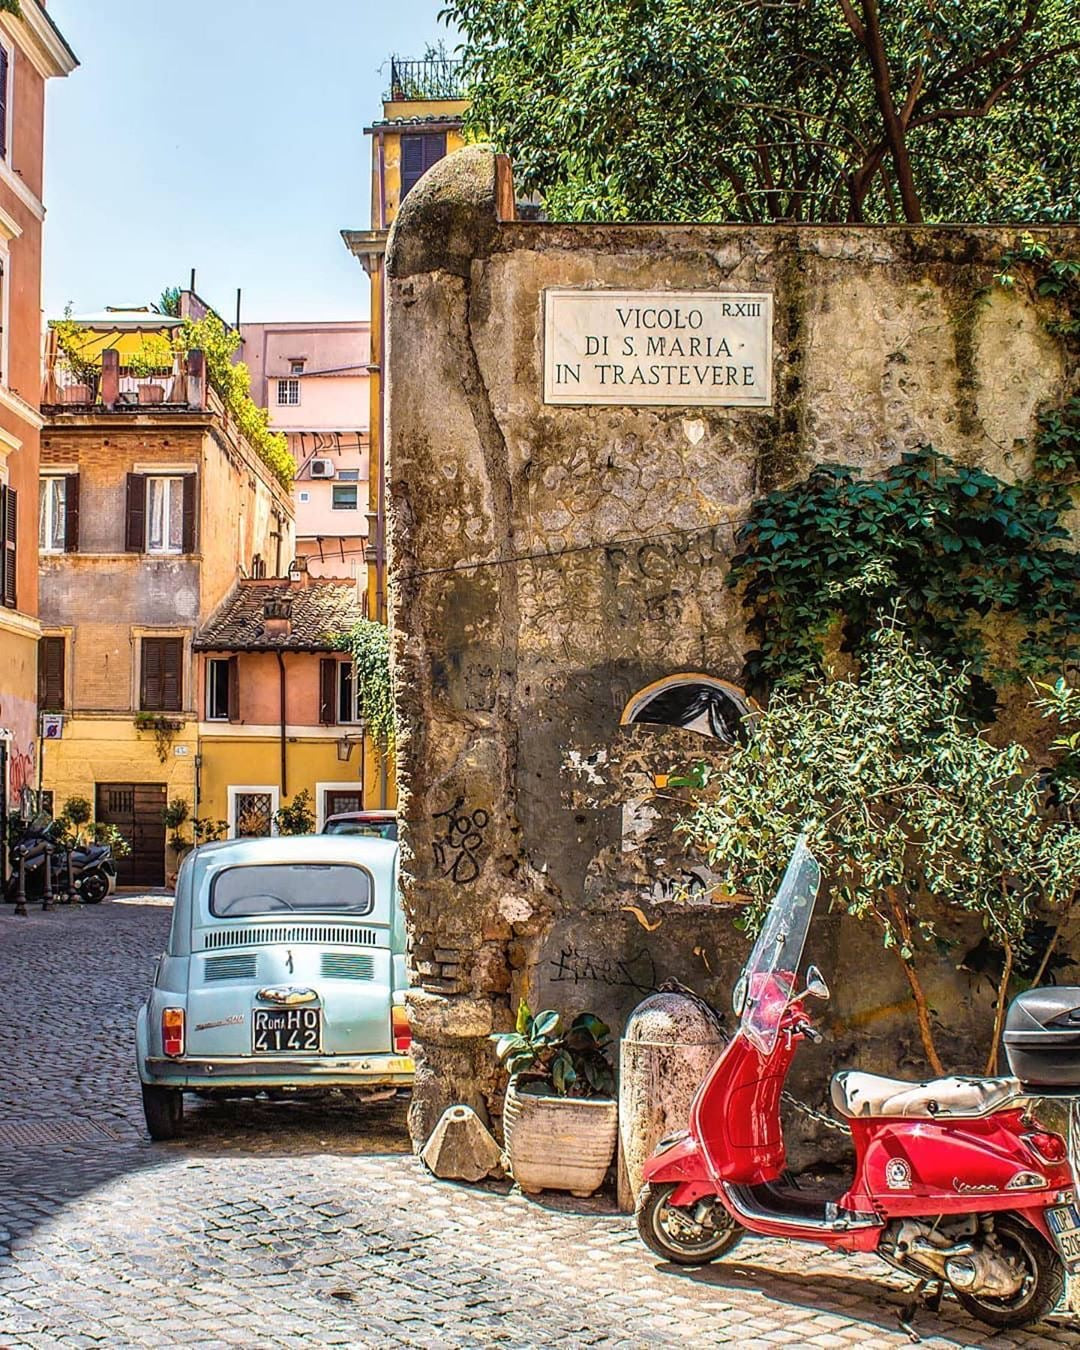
point(434, 77)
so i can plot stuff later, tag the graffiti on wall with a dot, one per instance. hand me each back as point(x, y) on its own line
point(456, 848)
point(638, 971)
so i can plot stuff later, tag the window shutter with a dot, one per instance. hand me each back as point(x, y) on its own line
point(412, 161)
point(434, 149)
point(150, 694)
point(51, 673)
point(172, 675)
point(9, 522)
point(3, 102)
point(187, 539)
point(328, 691)
point(71, 514)
point(234, 689)
point(135, 529)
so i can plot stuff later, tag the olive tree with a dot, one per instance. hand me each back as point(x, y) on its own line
point(906, 804)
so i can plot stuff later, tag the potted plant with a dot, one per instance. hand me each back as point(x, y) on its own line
point(560, 1117)
point(153, 356)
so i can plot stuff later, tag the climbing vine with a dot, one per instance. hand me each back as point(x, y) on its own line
point(947, 545)
point(369, 643)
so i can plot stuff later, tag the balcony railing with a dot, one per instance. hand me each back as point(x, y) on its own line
point(112, 387)
point(427, 80)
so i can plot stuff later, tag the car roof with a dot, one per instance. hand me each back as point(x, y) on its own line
point(294, 847)
point(362, 815)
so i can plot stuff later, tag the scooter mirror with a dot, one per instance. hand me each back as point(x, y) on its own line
point(738, 996)
point(815, 984)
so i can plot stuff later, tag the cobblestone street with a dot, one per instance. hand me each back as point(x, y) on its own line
point(302, 1225)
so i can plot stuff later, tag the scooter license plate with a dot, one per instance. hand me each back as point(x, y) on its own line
point(1065, 1225)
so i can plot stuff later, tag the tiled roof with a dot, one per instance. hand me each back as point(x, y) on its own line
point(319, 610)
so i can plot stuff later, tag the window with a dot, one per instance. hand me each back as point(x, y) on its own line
point(5, 101)
point(349, 475)
point(51, 674)
point(343, 497)
point(162, 682)
point(338, 700)
point(305, 496)
point(3, 313)
point(418, 154)
point(9, 527)
point(288, 393)
point(222, 690)
point(284, 888)
point(160, 513)
point(251, 811)
point(296, 366)
point(52, 516)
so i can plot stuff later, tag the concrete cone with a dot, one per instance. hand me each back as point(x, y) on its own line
point(461, 1149)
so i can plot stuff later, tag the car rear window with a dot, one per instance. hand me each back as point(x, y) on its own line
point(373, 829)
point(284, 888)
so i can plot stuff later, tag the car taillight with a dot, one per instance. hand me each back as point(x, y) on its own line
point(172, 1031)
point(1047, 1146)
point(400, 1029)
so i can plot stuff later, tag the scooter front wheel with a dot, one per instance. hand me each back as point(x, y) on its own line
point(680, 1235)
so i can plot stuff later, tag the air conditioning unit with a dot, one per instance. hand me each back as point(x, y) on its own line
point(322, 468)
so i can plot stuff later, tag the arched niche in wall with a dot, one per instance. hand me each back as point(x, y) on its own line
point(694, 702)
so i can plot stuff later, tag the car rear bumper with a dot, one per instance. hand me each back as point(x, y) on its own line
point(281, 1071)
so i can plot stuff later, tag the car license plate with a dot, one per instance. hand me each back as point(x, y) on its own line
point(285, 1031)
point(1065, 1226)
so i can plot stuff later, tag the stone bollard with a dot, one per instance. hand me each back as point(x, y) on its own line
point(461, 1148)
point(670, 1043)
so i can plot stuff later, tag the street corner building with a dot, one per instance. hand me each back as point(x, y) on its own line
point(579, 417)
point(32, 51)
point(281, 712)
point(153, 505)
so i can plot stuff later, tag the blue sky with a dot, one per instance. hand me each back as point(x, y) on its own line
point(225, 135)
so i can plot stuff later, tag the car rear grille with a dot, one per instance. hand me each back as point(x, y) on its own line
point(347, 966)
point(327, 934)
point(241, 966)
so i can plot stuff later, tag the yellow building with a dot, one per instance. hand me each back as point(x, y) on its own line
point(279, 706)
point(421, 124)
point(153, 505)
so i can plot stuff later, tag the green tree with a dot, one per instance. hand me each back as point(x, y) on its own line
point(908, 808)
point(763, 110)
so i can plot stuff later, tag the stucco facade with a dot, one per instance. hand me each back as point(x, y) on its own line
point(33, 52)
point(111, 601)
point(552, 563)
point(313, 379)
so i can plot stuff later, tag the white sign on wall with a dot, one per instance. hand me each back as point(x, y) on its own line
point(679, 348)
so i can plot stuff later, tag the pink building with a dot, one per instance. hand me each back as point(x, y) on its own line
point(313, 379)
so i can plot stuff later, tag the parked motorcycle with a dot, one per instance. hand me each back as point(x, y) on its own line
point(90, 878)
point(955, 1181)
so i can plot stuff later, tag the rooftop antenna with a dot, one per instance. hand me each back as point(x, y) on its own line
point(191, 288)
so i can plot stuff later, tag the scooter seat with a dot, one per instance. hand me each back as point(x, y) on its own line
point(859, 1095)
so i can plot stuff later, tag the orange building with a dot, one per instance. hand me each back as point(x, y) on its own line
point(32, 51)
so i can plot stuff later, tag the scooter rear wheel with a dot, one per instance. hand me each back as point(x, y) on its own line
point(94, 889)
point(1044, 1278)
point(674, 1234)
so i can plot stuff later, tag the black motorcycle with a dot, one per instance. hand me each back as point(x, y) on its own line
point(85, 872)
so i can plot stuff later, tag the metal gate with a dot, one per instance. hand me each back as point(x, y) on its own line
point(136, 811)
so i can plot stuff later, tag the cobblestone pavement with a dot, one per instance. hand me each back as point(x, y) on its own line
point(297, 1224)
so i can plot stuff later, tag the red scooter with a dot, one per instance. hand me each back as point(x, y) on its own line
point(955, 1183)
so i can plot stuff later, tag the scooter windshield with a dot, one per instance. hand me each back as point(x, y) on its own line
point(773, 966)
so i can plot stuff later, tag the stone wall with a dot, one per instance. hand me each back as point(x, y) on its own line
point(550, 562)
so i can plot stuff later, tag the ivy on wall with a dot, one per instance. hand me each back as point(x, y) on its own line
point(369, 643)
point(944, 544)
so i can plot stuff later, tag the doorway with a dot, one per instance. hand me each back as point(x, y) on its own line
point(136, 811)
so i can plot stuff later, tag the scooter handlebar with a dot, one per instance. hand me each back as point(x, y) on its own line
point(811, 1032)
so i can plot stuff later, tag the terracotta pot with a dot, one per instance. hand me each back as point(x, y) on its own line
point(77, 393)
point(558, 1143)
point(151, 393)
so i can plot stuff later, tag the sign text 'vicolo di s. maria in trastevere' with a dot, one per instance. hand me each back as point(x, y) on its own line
point(658, 347)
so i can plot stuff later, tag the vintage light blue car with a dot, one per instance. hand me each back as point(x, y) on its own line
point(284, 972)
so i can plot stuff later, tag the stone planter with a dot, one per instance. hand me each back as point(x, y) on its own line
point(558, 1143)
point(151, 393)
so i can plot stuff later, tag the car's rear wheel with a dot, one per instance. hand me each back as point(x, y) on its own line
point(164, 1110)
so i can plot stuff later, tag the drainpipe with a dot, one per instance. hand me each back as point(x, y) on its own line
point(281, 694)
